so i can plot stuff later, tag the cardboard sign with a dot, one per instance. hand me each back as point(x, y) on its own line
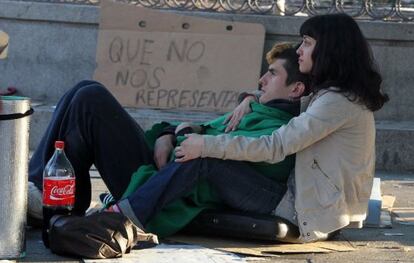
point(4, 44)
point(154, 59)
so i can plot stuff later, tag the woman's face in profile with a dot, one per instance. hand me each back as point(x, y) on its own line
point(305, 51)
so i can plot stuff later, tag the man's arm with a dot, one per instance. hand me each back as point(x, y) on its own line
point(166, 141)
point(187, 127)
point(163, 148)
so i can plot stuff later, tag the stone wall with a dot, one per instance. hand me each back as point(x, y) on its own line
point(52, 46)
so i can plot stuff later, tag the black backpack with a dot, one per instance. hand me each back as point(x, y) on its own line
point(100, 235)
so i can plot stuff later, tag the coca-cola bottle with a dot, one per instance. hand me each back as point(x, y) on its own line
point(58, 188)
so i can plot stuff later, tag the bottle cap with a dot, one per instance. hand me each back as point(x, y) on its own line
point(59, 145)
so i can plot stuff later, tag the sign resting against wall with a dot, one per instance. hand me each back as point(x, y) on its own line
point(155, 59)
point(4, 44)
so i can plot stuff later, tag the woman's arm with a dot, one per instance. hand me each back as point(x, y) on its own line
point(239, 112)
point(327, 114)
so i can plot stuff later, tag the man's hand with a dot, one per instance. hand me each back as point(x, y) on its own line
point(162, 149)
point(190, 148)
point(234, 118)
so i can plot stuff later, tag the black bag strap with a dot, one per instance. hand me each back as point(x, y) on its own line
point(15, 116)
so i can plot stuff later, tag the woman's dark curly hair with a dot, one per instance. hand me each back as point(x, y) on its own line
point(342, 58)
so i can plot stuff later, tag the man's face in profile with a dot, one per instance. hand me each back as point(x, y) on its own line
point(273, 82)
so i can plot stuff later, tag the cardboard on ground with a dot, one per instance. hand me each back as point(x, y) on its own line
point(404, 215)
point(4, 44)
point(156, 59)
point(256, 248)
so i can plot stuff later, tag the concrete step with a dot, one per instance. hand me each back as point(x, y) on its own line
point(60, 49)
point(145, 117)
point(394, 142)
point(395, 145)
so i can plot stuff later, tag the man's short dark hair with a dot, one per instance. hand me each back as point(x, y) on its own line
point(287, 51)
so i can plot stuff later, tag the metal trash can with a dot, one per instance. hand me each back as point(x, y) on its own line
point(14, 154)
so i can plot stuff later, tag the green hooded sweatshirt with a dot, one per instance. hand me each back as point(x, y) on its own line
point(263, 120)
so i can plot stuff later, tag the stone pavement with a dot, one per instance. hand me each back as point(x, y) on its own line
point(394, 244)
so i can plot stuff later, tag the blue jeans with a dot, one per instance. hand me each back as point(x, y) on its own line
point(97, 130)
point(236, 184)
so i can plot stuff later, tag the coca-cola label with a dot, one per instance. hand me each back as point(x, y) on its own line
point(58, 192)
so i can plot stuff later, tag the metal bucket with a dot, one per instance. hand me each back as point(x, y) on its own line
point(14, 154)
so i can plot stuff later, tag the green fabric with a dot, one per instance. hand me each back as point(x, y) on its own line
point(262, 120)
point(179, 213)
point(13, 98)
point(151, 135)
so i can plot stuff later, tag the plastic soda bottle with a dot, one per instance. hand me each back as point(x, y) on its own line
point(58, 188)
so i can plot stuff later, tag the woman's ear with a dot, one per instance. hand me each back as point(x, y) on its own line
point(297, 90)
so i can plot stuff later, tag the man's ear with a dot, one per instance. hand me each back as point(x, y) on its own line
point(297, 90)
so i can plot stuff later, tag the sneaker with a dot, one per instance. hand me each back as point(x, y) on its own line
point(107, 199)
point(34, 202)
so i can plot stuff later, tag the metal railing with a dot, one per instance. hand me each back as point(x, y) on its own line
point(387, 10)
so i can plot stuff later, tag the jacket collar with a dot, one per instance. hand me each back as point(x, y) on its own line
point(292, 107)
point(306, 101)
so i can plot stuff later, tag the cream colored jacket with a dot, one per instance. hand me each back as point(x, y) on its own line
point(334, 142)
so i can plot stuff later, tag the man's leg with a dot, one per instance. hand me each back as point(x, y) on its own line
point(96, 130)
point(237, 184)
point(45, 148)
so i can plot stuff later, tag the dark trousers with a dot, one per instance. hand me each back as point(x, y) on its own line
point(97, 130)
point(236, 184)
